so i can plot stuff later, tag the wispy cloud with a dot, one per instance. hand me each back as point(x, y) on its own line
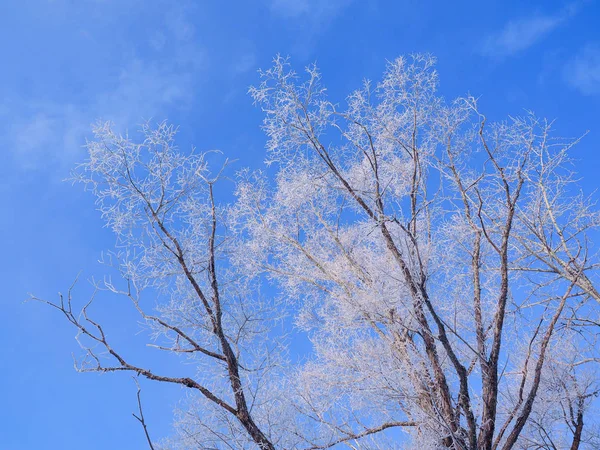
point(30, 135)
point(583, 71)
point(311, 10)
point(245, 63)
point(309, 17)
point(291, 8)
point(42, 134)
point(524, 32)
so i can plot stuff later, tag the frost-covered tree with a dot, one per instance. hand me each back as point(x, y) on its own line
point(441, 265)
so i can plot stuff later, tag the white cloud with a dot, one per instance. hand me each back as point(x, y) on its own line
point(522, 33)
point(290, 8)
point(313, 10)
point(178, 23)
point(31, 135)
point(143, 89)
point(583, 71)
point(245, 63)
point(43, 134)
point(38, 136)
point(309, 18)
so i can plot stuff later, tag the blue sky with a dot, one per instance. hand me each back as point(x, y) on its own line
point(68, 63)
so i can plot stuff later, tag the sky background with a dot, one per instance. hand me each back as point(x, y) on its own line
point(68, 63)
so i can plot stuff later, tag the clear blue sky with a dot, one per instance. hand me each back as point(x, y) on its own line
point(66, 63)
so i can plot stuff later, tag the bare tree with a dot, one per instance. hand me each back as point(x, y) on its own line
point(424, 230)
point(161, 205)
point(569, 386)
point(435, 260)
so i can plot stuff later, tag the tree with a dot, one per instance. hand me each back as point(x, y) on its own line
point(558, 419)
point(438, 262)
